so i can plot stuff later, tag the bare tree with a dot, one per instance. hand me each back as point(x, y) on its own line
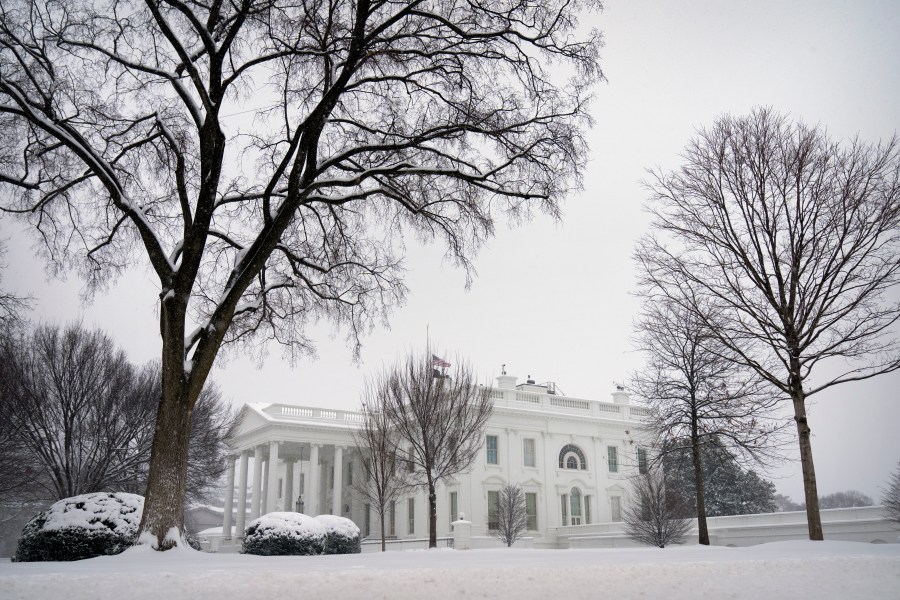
point(847, 499)
point(84, 416)
point(697, 393)
point(654, 516)
point(891, 498)
point(787, 243)
point(382, 482)
point(512, 518)
point(268, 158)
point(439, 418)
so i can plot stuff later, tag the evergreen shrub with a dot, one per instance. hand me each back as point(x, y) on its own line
point(284, 534)
point(342, 535)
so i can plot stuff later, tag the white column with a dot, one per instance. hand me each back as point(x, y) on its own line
point(264, 492)
point(242, 494)
point(229, 498)
point(336, 504)
point(287, 494)
point(257, 482)
point(312, 503)
point(272, 495)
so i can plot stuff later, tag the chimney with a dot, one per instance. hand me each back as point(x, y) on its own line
point(506, 382)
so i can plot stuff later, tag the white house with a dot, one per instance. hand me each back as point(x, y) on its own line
point(571, 457)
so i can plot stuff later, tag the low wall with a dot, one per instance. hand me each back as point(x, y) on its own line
point(866, 524)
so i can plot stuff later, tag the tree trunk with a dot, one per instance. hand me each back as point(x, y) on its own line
point(163, 515)
point(432, 515)
point(813, 518)
point(383, 544)
point(703, 531)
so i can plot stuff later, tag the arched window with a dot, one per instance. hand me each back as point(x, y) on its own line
point(572, 457)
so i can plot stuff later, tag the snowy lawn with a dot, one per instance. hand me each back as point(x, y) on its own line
point(796, 570)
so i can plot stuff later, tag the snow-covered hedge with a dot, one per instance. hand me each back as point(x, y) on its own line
point(284, 534)
point(342, 536)
point(81, 527)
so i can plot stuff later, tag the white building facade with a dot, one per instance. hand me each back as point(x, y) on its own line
point(572, 458)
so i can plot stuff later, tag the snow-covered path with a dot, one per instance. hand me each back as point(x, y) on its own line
point(796, 570)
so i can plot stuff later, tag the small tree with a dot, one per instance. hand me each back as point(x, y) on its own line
point(785, 243)
point(382, 483)
point(697, 392)
point(439, 418)
point(512, 518)
point(891, 497)
point(654, 516)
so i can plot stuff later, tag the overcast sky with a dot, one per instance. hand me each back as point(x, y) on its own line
point(551, 299)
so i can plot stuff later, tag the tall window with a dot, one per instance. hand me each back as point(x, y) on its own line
point(411, 515)
point(615, 507)
point(528, 452)
point(642, 460)
point(454, 507)
point(492, 443)
point(587, 510)
point(572, 457)
point(531, 511)
point(575, 502)
point(410, 465)
point(493, 510)
point(392, 519)
point(612, 454)
point(367, 528)
point(565, 509)
point(350, 473)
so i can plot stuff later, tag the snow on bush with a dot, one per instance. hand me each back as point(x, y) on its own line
point(81, 527)
point(342, 536)
point(284, 534)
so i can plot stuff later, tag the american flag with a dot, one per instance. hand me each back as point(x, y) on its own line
point(439, 362)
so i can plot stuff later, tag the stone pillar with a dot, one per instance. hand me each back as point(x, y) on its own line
point(462, 533)
point(242, 495)
point(272, 493)
point(287, 495)
point(264, 492)
point(257, 482)
point(336, 504)
point(312, 503)
point(229, 498)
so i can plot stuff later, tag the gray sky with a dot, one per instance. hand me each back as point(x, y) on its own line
point(551, 300)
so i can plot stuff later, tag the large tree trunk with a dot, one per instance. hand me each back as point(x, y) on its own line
point(703, 531)
point(813, 518)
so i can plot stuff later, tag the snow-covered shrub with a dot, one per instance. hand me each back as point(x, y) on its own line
point(342, 536)
point(81, 527)
point(284, 534)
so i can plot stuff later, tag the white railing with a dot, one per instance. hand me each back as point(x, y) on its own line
point(323, 414)
point(570, 403)
point(562, 404)
point(526, 397)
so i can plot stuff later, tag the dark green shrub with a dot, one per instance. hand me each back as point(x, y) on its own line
point(284, 534)
point(342, 535)
point(81, 527)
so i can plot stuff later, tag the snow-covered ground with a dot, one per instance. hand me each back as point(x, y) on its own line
point(796, 570)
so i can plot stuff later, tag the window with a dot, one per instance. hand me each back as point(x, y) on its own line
point(492, 443)
point(642, 460)
point(349, 473)
point(454, 507)
point(565, 509)
point(613, 456)
point(575, 501)
point(531, 511)
point(528, 452)
point(572, 457)
point(410, 465)
point(587, 510)
point(493, 510)
point(392, 519)
point(645, 509)
point(411, 515)
point(615, 506)
point(367, 528)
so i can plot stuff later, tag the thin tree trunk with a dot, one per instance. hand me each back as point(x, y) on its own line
point(383, 544)
point(432, 515)
point(703, 531)
point(813, 518)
